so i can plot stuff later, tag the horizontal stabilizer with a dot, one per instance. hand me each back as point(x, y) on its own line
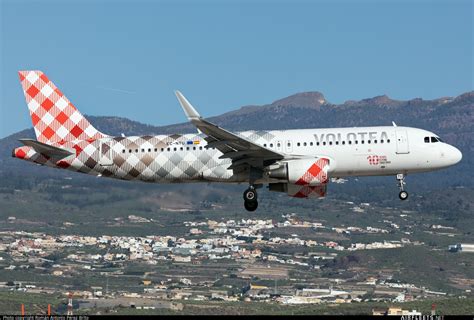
point(47, 149)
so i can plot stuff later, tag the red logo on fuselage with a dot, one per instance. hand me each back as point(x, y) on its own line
point(373, 160)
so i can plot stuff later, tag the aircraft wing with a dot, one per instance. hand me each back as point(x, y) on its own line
point(242, 151)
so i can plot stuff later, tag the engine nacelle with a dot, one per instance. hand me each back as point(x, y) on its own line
point(299, 191)
point(301, 172)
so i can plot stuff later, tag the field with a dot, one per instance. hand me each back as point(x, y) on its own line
point(68, 207)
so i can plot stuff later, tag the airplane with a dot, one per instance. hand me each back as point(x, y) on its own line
point(298, 162)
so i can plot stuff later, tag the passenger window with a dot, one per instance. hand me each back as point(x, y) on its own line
point(324, 143)
point(388, 140)
point(123, 151)
point(149, 150)
point(362, 142)
point(129, 150)
point(355, 142)
point(136, 150)
point(194, 148)
point(311, 144)
point(317, 143)
point(350, 142)
point(162, 149)
point(337, 142)
point(187, 148)
point(278, 145)
point(368, 141)
point(298, 144)
point(343, 142)
point(304, 144)
point(174, 149)
point(181, 149)
point(169, 149)
point(265, 145)
point(271, 145)
point(143, 150)
point(375, 141)
point(330, 143)
point(289, 144)
point(381, 141)
point(200, 148)
point(156, 149)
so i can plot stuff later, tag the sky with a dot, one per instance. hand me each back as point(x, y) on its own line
point(126, 58)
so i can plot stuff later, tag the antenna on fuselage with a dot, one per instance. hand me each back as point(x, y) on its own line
point(394, 124)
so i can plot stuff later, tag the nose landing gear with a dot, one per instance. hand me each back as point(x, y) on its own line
point(403, 195)
point(250, 199)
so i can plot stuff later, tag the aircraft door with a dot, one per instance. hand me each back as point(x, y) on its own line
point(402, 141)
point(106, 157)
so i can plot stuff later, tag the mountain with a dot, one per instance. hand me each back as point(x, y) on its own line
point(451, 118)
point(446, 116)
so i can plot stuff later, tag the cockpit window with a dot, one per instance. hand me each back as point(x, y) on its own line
point(433, 139)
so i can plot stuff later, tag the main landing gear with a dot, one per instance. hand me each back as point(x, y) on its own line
point(250, 199)
point(403, 195)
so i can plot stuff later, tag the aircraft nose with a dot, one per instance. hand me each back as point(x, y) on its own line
point(455, 155)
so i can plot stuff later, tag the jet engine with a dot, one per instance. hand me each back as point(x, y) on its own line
point(301, 172)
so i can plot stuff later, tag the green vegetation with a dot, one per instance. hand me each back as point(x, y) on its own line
point(10, 303)
point(443, 307)
point(35, 303)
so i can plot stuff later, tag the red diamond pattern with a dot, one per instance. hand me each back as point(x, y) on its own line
point(47, 104)
point(35, 119)
point(48, 132)
point(76, 131)
point(51, 115)
point(315, 174)
point(32, 91)
point(62, 117)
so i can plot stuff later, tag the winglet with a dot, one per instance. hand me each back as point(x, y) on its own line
point(188, 109)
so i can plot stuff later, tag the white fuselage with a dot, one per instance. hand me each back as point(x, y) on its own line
point(369, 151)
point(358, 151)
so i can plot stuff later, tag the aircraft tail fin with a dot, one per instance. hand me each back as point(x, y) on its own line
point(55, 119)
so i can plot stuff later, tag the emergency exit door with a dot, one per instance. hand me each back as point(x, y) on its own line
point(402, 141)
point(106, 156)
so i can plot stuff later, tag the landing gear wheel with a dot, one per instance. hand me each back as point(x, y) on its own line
point(251, 205)
point(403, 195)
point(250, 195)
